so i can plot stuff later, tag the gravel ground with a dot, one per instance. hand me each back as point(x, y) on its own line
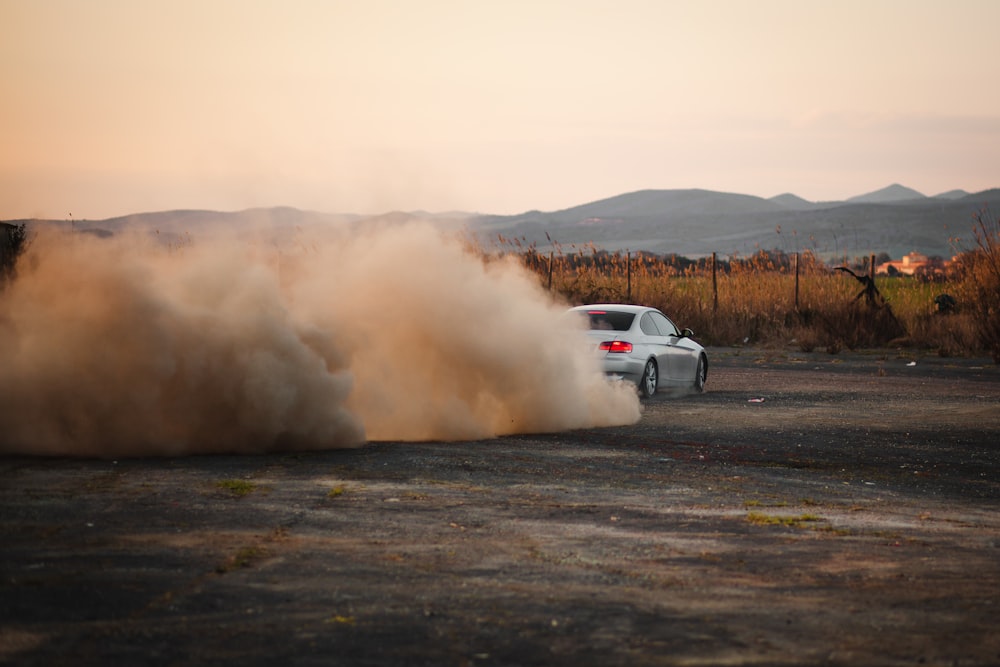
point(807, 509)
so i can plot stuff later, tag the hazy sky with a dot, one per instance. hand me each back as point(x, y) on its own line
point(110, 107)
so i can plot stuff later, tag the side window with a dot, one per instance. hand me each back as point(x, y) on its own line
point(647, 326)
point(666, 327)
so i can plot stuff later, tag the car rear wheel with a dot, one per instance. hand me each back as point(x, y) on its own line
point(701, 374)
point(647, 385)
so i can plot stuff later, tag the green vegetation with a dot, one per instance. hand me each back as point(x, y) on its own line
point(238, 487)
point(761, 519)
point(761, 503)
point(339, 619)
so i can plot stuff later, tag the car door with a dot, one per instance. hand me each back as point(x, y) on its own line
point(680, 363)
point(656, 344)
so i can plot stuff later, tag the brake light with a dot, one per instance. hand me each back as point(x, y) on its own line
point(615, 346)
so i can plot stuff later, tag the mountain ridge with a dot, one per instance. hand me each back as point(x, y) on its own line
point(691, 222)
point(895, 219)
point(888, 194)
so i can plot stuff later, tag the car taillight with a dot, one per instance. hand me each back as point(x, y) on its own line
point(615, 346)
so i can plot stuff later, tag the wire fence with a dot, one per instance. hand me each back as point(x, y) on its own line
point(629, 278)
point(769, 296)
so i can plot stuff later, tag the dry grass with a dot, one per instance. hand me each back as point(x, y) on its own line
point(755, 300)
point(978, 275)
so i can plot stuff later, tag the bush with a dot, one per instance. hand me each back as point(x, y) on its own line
point(13, 240)
point(979, 282)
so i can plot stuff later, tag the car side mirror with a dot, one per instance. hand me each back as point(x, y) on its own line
point(687, 333)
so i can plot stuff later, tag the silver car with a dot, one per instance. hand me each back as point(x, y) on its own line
point(642, 345)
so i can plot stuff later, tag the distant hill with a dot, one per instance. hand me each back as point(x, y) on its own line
point(794, 202)
point(689, 222)
point(952, 194)
point(891, 194)
point(645, 202)
point(896, 220)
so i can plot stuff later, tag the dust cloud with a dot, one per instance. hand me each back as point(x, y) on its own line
point(127, 346)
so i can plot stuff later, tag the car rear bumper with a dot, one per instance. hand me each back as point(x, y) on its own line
point(622, 367)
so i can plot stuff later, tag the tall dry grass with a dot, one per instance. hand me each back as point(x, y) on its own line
point(754, 300)
point(977, 273)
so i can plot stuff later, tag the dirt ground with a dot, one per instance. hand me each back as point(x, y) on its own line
point(808, 509)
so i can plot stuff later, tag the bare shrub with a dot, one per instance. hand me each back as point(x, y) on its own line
point(951, 334)
point(13, 241)
point(979, 282)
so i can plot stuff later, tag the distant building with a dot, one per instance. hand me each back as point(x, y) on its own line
point(907, 266)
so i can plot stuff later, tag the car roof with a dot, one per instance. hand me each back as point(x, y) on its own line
point(621, 307)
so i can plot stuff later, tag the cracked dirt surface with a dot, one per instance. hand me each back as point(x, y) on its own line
point(847, 515)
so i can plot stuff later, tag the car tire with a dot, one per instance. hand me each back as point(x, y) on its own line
point(650, 378)
point(701, 374)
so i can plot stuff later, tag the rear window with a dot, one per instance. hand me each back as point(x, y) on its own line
point(610, 320)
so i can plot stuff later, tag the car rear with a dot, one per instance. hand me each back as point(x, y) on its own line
point(610, 330)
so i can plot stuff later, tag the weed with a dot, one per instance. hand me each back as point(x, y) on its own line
point(279, 534)
point(103, 482)
point(338, 619)
point(761, 503)
point(761, 519)
point(238, 487)
point(244, 557)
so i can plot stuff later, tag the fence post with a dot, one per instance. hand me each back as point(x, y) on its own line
point(628, 271)
point(715, 287)
point(796, 282)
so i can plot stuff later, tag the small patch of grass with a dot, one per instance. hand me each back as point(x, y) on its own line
point(761, 519)
point(279, 534)
point(886, 534)
point(103, 482)
point(242, 558)
point(765, 503)
point(455, 486)
point(238, 487)
point(337, 619)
